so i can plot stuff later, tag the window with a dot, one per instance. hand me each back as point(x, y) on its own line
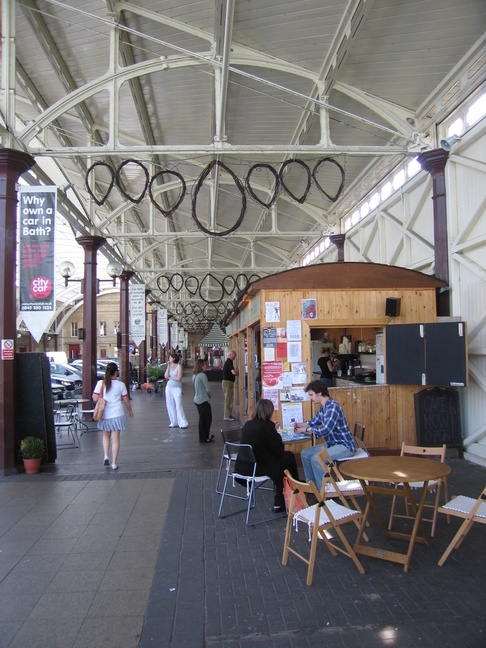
point(116, 327)
point(74, 329)
point(102, 329)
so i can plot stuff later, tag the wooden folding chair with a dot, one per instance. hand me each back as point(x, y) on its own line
point(471, 511)
point(323, 519)
point(434, 485)
point(358, 436)
point(335, 486)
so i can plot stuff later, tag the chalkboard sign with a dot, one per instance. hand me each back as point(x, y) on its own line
point(437, 417)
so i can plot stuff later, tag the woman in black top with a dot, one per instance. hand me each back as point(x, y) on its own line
point(260, 432)
point(326, 367)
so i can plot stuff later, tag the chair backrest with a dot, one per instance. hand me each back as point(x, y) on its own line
point(231, 434)
point(244, 451)
point(359, 430)
point(303, 487)
point(438, 452)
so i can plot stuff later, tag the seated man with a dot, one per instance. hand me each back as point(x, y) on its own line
point(330, 423)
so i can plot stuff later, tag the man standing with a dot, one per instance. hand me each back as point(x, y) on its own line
point(229, 377)
point(330, 423)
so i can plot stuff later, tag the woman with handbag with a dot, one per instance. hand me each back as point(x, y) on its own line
point(113, 392)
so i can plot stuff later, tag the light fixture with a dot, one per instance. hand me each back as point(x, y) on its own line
point(114, 269)
point(448, 143)
point(67, 269)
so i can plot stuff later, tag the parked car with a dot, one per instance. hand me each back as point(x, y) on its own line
point(66, 370)
point(63, 382)
point(58, 391)
point(100, 368)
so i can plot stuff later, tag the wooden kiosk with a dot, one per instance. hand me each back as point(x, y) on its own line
point(335, 302)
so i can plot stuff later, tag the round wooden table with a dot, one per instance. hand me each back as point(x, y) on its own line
point(380, 475)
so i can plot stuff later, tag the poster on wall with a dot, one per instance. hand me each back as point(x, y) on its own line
point(272, 374)
point(309, 309)
point(292, 413)
point(272, 311)
point(294, 352)
point(271, 395)
point(281, 342)
point(299, 373)
point(37, 217)
point(269, 337)
point(137, 312)
point(294, 330)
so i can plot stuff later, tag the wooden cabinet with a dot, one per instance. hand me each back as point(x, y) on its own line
point(426, 354)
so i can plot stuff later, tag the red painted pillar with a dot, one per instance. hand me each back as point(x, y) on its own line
point(125, 326)
point(90, 244)
point(434, 162)
point(12, 165)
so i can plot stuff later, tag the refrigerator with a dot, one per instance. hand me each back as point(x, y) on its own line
point(380, 358)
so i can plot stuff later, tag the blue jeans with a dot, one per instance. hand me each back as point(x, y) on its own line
point(313, 469)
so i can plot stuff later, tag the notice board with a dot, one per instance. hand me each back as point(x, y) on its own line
point(438, 417)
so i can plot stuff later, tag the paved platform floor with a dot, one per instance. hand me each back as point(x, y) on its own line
point(138, 557)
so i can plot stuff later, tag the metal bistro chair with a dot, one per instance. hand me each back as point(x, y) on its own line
point(231, 435)
point(253, 482)
point(67, 420)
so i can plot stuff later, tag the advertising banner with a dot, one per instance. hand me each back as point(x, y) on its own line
point(137, 313)
point(162, 326)
point(37, 217)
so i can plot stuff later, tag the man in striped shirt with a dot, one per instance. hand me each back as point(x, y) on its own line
point(330, 423)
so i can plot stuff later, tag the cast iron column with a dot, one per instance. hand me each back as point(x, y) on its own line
point(12, 165)
point(338, 240)
point(155, 354)
point(125, 327)
point(90, 245)
point(434, 162)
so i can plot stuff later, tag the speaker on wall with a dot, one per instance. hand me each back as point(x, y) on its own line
point(81, 334)
point(392, 307)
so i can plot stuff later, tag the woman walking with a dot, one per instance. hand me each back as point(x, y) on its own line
point(114, 392)
point(202, 394)
point(173, 392)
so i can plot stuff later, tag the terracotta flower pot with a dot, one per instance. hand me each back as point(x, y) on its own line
point(32, 466)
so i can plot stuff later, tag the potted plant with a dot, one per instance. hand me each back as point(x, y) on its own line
point(32, 450)
point(155, 372)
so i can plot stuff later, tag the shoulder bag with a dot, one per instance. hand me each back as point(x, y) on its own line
point(99, 410)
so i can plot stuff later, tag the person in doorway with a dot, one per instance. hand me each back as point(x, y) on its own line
point(271, 457)
point(327, 367)
point(229, 377)
point(330, 423)
point(173, 392)
point(202, 396)
point(114, 392)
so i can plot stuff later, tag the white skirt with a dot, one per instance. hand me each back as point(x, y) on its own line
point(112, 424)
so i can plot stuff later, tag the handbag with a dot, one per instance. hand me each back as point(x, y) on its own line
point(99, 410)
point(300, 500)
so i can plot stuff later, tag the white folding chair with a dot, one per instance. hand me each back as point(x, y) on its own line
point(253, 482)
point(471, 511)
point(434, 486)
point(323, 520)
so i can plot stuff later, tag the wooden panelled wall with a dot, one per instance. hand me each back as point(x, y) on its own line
point(387, 411)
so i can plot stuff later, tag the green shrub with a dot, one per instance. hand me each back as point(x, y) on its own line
point(32, 448)
point(155, 372)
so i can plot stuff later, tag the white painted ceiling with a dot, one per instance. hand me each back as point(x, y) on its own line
point(167, 87)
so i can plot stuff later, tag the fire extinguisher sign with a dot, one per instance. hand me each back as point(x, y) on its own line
point(7, 349)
